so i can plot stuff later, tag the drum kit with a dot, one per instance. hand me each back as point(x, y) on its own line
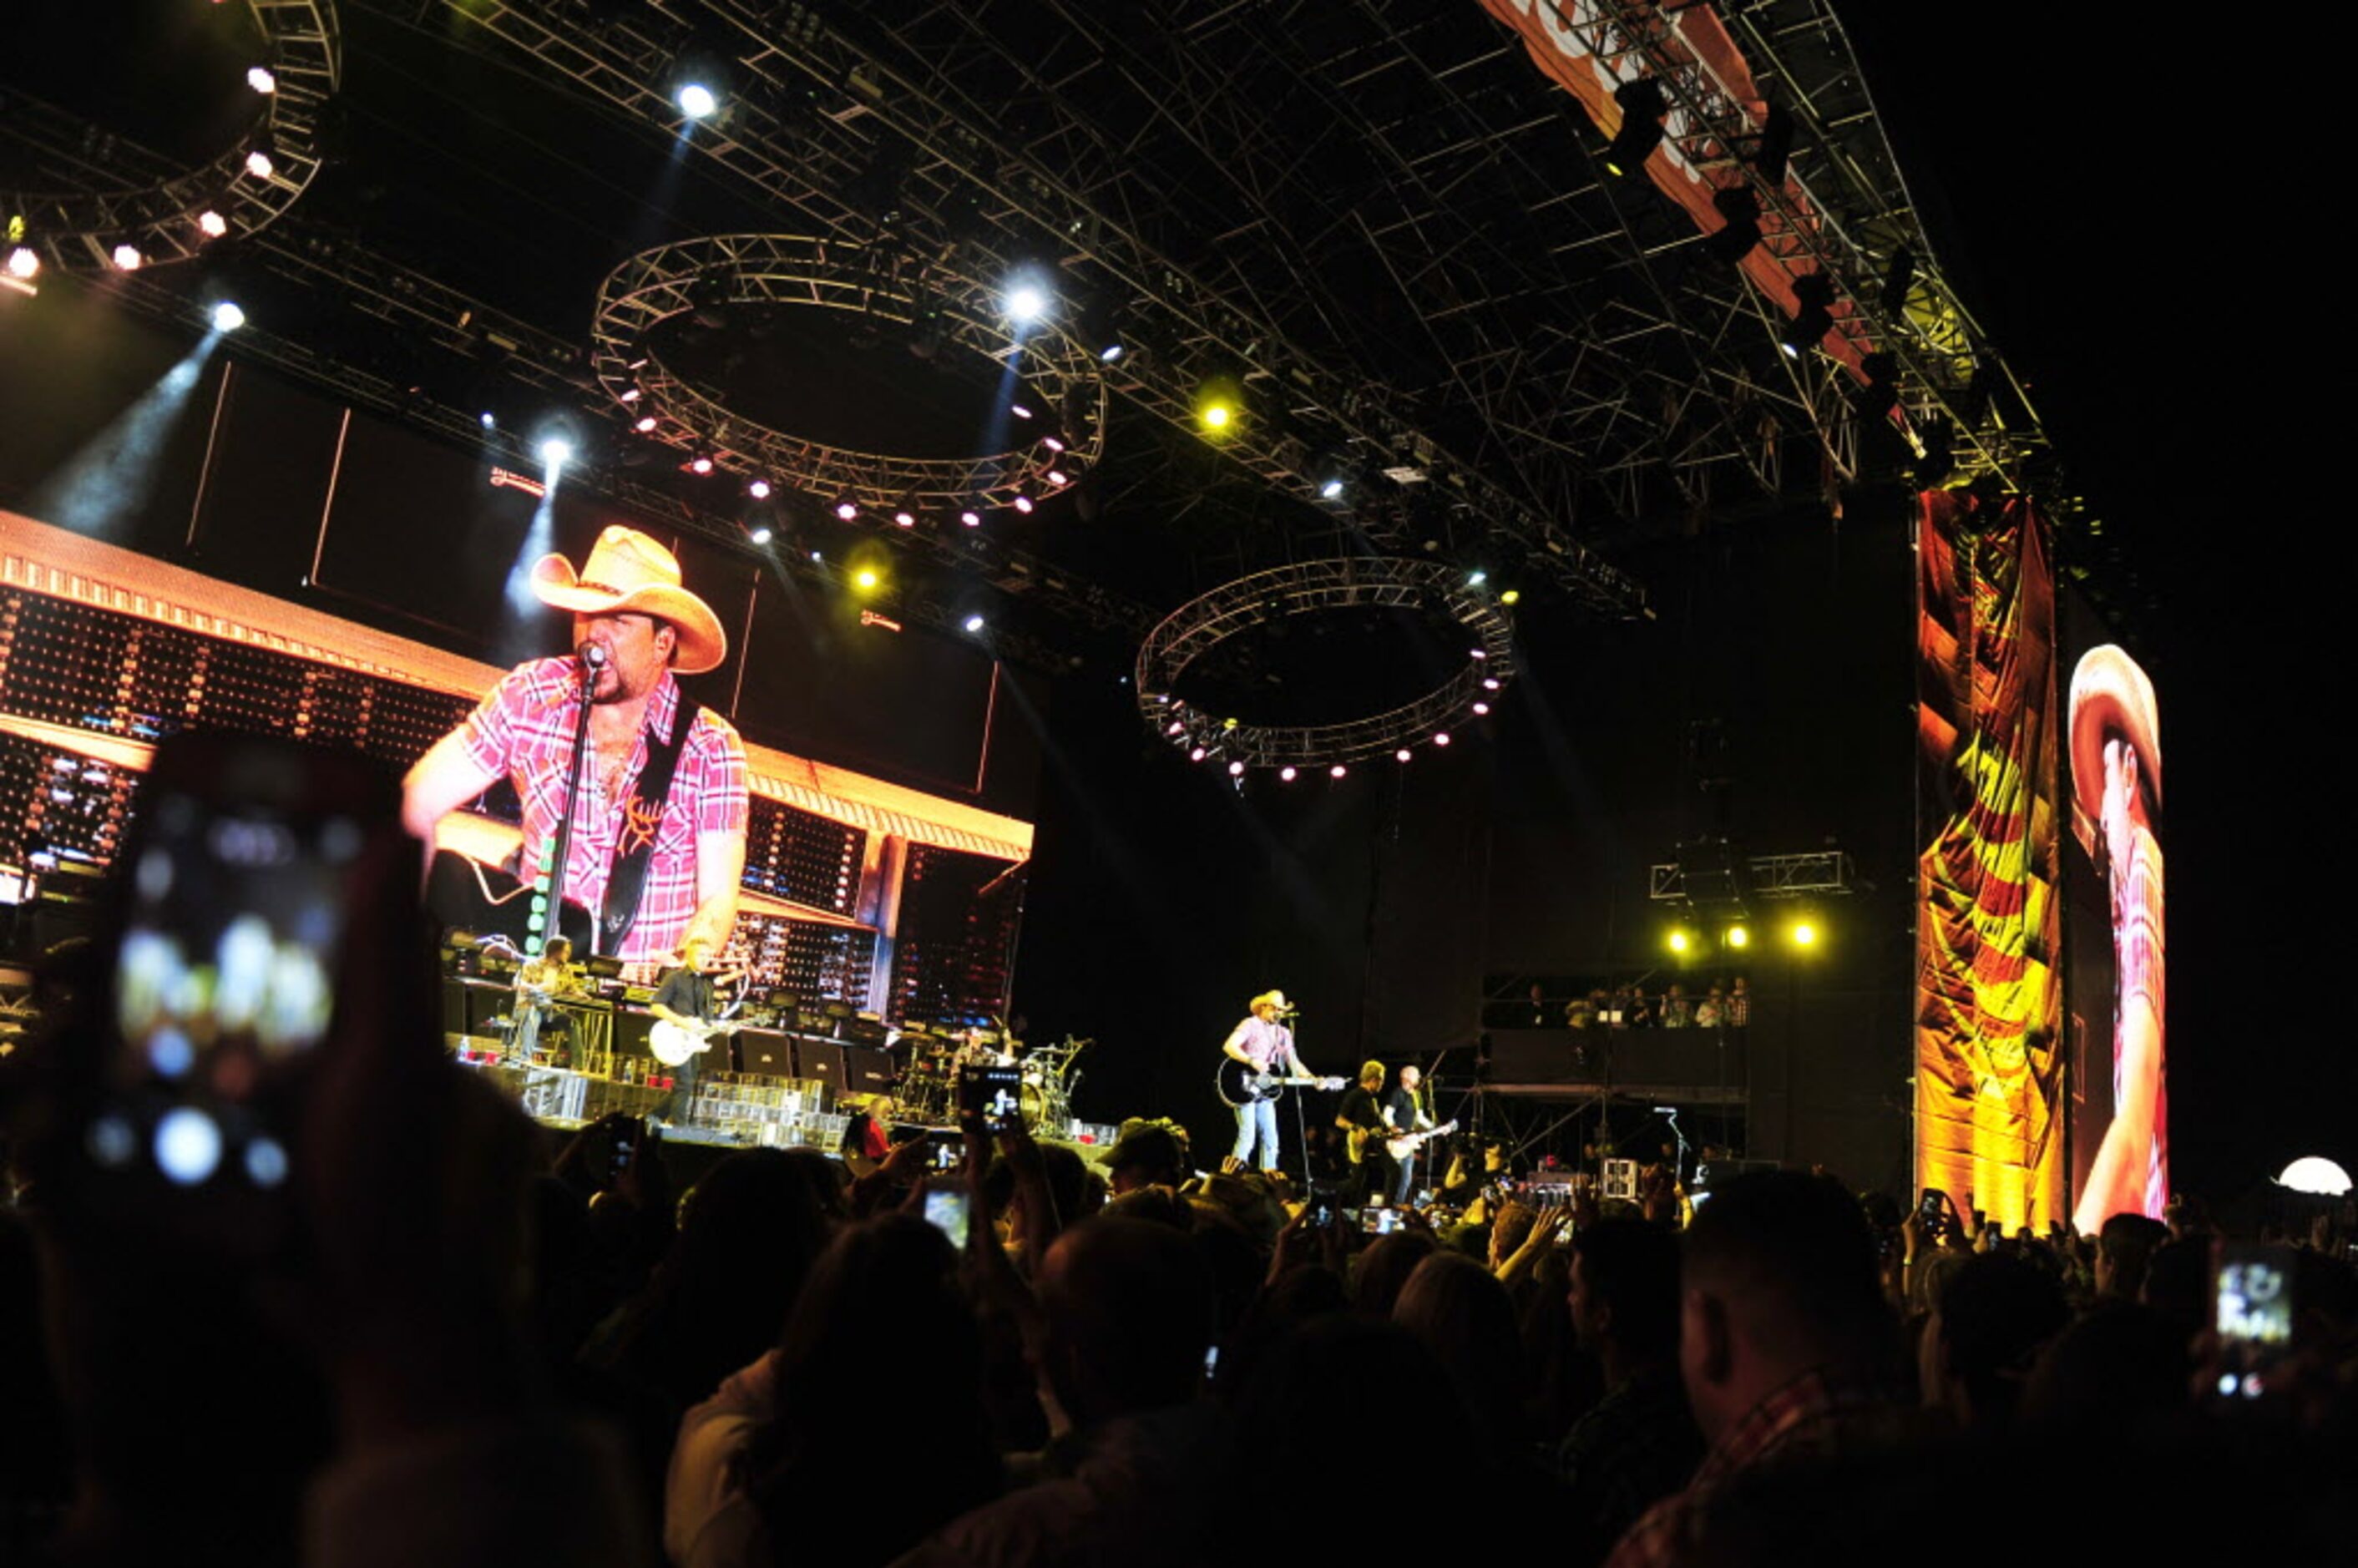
point(928, 1088)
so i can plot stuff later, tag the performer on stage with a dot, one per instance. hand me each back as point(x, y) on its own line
point(689, 996)
point(1266, 1045)
point(634, 627)
point(1362, 1119)
point(1405, 1110)
point(538, 983)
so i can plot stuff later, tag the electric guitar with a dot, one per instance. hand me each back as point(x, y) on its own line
point(1407, 1143)
point(1240, 1083)
point(673, 1044)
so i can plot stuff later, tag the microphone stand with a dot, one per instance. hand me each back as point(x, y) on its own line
point(551, 881)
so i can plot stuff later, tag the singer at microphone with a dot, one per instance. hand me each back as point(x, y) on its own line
point(649, 805)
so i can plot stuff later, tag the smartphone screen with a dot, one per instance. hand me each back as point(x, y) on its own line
point(995, 1094)
point(946, 1155)
point(223, 978)
point(1933, 1211)
point(2252, 1309)
point(946, 1211)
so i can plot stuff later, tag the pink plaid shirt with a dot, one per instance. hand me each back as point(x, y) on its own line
point(524, 730)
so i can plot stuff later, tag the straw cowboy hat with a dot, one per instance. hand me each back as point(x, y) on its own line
point(1274, 998)
point(2110, 696)
point(629, 572)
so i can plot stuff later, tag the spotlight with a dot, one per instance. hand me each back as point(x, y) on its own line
point(213, 224)
point(1476, 577)
point(700, 464)
point(1337, 770)
point(1680, 941)
point(761, 535)
point(1440, 738)
point(1287, 772)
point(1401, 755)
point(128, 258)
point(556, 452)
point(488, 420)
point(1803, 934)
point(905, 518)
point(696, 101)
point(1102, 328)
point(227, 317)
point(23, 262)
point(1738, 937)
point(1740, 228)
point(1026, 302)
point(865, 580)
point(1481, 709)
point(1813, 320)
point(1023, 505)
point(971, 518)
point(645, 424)
point(1196, 754)
point(1642, 108)
point(1178, 727)
point(1330, 488)
point(1877, 394)
point(1235, 769)
point(846, 509)
point(1477, 652)
point(1216, 411)
point(1511, 596)
point(260, 78)
point(1489, 683)
point(1053, 443)
point(258, 164)
point(759, 490)
point(1020, 410)
point(630, 394)
point(974, 622)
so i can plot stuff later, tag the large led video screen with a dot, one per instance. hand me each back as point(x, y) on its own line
point(1989, 1069)
point(2113, 883)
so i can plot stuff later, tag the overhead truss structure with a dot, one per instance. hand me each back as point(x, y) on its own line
point(1055, 442)
point(79, 222)
point(1817, 873)
point(1317, 588)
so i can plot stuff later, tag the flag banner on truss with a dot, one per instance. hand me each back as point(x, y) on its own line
point(1989, 1069)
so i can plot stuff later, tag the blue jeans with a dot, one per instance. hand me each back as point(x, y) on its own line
point(1259, 1116)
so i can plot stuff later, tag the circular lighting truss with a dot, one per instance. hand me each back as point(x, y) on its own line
point(671, 280)
point(245, 190)
point(1311, 587)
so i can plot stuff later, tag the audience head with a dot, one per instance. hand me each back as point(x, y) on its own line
point(1993, 1317)
point(1146, 1154)
point(1384, 1269)
point(2124, 1246)
point(1778, 1279)
point(1466, 1319)
point(1624, 1295)
point(2121, 1370)
point(1129, 1313)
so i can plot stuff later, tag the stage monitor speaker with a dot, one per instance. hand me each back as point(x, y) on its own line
point(867, 1070)
point(821, 1061)
point(765, 1051)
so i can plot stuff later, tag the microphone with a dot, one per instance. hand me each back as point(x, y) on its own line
point(591, 657)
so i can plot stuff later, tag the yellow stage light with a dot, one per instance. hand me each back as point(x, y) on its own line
point(1512, 596)
point(1738, 937)
point(1681, 941)
point(865, 580)
point(1215, 413)
point(1804, 934)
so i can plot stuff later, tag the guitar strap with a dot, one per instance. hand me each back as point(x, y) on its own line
point(641, 815)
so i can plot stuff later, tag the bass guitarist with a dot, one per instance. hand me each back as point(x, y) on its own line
point(1265, 1045)
point(690, 998)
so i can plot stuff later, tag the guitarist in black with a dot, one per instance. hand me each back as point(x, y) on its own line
point(689, 996)
point(1363, 1123)
point(1264, 1044)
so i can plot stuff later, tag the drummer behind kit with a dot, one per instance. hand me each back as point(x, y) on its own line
point(1041, 1080)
